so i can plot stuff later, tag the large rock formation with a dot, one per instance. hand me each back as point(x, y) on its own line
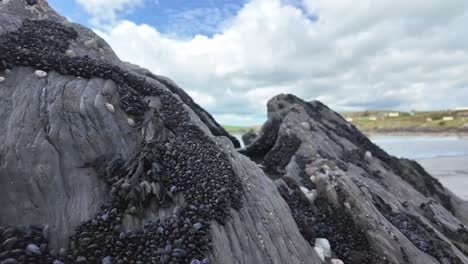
point(103, 162)
point(373, 208)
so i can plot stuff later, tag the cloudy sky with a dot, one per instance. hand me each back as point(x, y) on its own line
point(232, 56)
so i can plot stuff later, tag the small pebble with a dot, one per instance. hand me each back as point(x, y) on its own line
point(70, 53)
point(206, 261)
point(197, 226)
point(40, 74)
point(131, 122)
point(57, 262)
point(325, 245)
point(2, 79)
point(195, 261)
point(110, 107)
point(34, 249)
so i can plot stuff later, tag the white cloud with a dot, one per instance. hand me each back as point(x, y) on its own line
point(106, 11)
point(202, 98)
point(358, 54)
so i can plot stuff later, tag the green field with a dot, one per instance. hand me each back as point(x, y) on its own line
point(380, 120)
point(373, 121)
point(240, 129)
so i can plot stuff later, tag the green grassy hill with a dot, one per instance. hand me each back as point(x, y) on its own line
point(388, 120)
point(394, 120)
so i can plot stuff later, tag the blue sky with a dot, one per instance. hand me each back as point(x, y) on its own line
point(178, 18)
point(233, 56)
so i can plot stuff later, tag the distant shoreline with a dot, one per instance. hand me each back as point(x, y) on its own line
point(384, 132)
point(416, 132)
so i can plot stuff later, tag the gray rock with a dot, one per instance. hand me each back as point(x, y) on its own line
point(249, 137)
point(372, 207)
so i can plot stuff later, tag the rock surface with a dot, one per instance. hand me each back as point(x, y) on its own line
point(85, 185)
point(104, 162)
point(248, 137)
point(371, 207)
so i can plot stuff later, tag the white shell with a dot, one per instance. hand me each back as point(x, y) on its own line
point(309, 194)
point(2, 79)
point(324, 244)
point(40, 74)
point(320, 253)
point(91, 43)
point(70, 53)
point(131, 122)
point(110, 107)
point(337, 261)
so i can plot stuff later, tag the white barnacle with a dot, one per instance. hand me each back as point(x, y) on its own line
point(40, 74)
point(131, 122)
point(110, 107)
point(70, 53)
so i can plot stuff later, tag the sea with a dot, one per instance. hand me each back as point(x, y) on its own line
point(444, 157)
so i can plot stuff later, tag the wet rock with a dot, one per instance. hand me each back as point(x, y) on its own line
point(360, 202)
point(248, 137)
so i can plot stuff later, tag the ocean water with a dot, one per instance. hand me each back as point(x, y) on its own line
point(444, 157)
point(423, 147)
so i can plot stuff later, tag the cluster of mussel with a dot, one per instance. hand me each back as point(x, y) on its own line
point(24, 244)
point(190, 163)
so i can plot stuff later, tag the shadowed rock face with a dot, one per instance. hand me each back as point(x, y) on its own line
point(103, 162)
point(372, 207)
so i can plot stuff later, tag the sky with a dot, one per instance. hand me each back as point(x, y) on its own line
point(233, 56)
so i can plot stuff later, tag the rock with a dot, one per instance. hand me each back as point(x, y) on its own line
point(197, 226)
point(33, 249)
point(248, 137)
point(59, 162)
point(359, 206)
point(40, 74)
